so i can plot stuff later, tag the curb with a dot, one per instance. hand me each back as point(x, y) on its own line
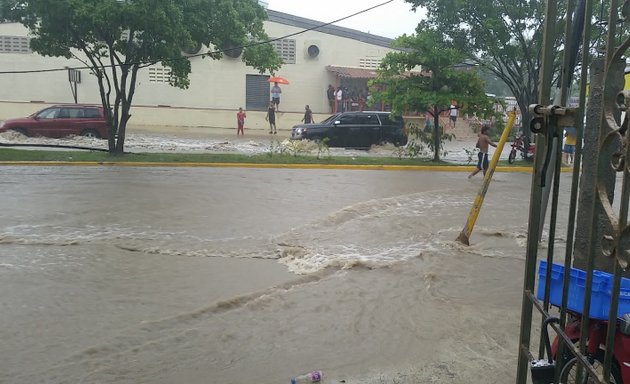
point(439, 168)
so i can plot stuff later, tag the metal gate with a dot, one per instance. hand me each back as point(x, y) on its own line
point(565, 294)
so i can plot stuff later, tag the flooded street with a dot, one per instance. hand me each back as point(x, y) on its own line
point(200, 140)
point(213, 275)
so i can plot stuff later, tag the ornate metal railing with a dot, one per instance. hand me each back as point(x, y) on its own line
point(608, 240)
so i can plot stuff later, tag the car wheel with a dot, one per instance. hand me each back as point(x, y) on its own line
point(90, 133)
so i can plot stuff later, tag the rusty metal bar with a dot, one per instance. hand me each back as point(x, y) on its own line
point(612, 322)
point(566, 62)
point(529, 278)
point(579, 126)
point(611, 55)
point(622, 224)
point(534, 226)
point(552, 222)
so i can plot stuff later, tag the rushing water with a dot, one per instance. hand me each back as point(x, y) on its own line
point(225, 141)
point(212, 275)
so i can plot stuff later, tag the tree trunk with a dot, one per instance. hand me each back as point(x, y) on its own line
point(111, 135)
point(124, 118)
point(593, 135)
point(436, 135)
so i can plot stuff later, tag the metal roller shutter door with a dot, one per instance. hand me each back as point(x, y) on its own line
point(257, 95)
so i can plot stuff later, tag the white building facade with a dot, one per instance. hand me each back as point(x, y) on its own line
point(313, 60)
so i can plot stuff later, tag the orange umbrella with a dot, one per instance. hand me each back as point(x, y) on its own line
point(277, 79)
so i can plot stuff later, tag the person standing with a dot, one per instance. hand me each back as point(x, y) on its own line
point(330, 93)
point(428, 121)
point(570, 138)
point(271, 118)
point(240, 122)
point(339, 97)
point(453, 114)
point(308, 115)
point(483, 144)
point(275, 95)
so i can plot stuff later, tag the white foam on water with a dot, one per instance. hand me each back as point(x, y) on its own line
point(306, 261)
point(391, 230)
point(372, 234)
point(12, 137)
point(458, 152)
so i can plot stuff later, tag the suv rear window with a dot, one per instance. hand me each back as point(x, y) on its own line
point(91, 113)
point(369, 120)
point(386, 119)
point(73, 113)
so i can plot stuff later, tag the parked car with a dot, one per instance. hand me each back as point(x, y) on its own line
point(354, 129)
point(61, 120)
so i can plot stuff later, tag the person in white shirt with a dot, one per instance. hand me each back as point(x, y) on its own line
point(339, 96)
point(453, 115)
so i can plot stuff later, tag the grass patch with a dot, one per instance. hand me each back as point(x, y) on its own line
point(8, 154)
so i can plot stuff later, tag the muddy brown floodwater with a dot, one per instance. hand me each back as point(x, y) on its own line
point(211, 275)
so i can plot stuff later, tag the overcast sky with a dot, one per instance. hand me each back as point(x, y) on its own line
point(390, 20)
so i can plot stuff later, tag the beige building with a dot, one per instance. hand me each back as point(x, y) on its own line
point(313, 60)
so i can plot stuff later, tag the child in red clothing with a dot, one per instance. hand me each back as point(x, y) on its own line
point(240, 121)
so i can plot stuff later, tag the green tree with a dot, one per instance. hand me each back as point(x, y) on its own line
point(493, 84)
point(502, 36)
point(441, 80)
point(117, 38)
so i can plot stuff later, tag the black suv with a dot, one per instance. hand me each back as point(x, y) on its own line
point(354, 129)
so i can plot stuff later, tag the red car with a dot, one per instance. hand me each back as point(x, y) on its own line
point(61, 120)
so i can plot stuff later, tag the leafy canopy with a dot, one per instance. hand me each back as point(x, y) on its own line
point(442, 79)
point(501, 35)
point(145, 32)
point(116, 38)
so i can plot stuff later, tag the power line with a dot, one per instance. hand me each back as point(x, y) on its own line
point(206, 53)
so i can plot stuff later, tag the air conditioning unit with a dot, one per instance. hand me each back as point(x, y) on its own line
point(191, 49)
point(312, 49)
point(232, 50)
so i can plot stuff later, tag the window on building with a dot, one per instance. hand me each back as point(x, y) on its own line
point(257, 94)
point(370, 62)
point(285, 48)
point(160, 75)
point(14, 44)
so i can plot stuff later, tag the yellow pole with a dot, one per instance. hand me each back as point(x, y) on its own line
point(464, 236)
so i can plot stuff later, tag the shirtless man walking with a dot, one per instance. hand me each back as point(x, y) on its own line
point(483, 143)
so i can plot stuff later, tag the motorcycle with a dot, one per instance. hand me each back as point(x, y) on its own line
point(522, 143)
point(597, 329)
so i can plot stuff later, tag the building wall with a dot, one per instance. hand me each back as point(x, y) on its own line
point(215, 84)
